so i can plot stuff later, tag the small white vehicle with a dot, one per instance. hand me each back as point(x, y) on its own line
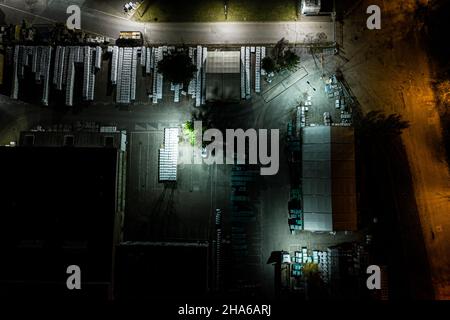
point(129, 6)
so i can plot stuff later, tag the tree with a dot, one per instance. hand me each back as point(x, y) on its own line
point(279, 48)
point(177, 67)
point(443, 90)
point(268, 64)
point(189, 131)
point(376, 127)
point(284, 59)
point(289, 60)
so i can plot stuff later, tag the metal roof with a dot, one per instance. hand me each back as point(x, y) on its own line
point(328, 178)
point(223, 62)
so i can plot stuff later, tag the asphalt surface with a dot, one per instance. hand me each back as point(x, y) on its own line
point(390, 71)
point(110, 23)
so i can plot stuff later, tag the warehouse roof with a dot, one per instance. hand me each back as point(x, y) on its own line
point(57, 209)
point(223, 75)
point(328, 178)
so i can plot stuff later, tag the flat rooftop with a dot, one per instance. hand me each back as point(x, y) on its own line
point(223, 75)
point(328, 179)
point(144, 271)
point(57, 209)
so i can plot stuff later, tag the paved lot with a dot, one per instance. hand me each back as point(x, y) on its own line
point(164, 212)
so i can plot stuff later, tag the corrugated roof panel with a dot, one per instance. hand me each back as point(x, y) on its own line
point(320, 134)
point(316, 169)
point(317, 204)
point(314, 152)
point(316, 187)
point(328, 179)
point(318, 222)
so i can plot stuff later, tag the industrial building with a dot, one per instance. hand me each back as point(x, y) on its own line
point(227, 71)
point(153, 269)
point(328, 178)
point(62, 204)
point(310, 7)
point(223, 74)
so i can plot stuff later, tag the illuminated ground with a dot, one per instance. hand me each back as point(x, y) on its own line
point(213, 10)
point(389, 70)
point(108, 20)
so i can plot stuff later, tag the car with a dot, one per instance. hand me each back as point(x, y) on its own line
point(129, 6)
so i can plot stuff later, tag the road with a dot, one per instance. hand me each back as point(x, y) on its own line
point(390, 71)
point(216, 33)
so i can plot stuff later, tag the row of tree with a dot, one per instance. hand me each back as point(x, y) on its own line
point(283, 58)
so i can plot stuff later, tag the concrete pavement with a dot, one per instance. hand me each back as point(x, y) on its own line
point(228, 33)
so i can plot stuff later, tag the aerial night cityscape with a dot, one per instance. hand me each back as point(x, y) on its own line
point(193, 152)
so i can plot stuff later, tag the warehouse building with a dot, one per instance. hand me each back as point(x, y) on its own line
point(223, 74)
point(328, 179)
point(62, 204)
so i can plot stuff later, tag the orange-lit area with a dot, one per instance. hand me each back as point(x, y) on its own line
point(390, 70)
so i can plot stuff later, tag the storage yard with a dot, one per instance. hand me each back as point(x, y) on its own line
point(131, 74)
point(165, 204)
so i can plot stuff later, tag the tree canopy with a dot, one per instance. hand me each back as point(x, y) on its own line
point(284, 59)
point(375, 126)
point(289, 60)
point(268, 64)
point(177, 67)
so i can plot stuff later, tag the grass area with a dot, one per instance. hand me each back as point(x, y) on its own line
point(213, 10)
point(262, 10)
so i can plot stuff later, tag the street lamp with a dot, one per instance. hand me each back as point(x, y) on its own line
point(311, 85)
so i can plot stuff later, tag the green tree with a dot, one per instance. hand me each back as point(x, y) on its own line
point(289, 60)
point(189, 132)
point(268, 64)
point(177, 67)
point(283, 58)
